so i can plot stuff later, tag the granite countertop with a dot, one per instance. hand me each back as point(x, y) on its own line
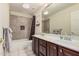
point(71, 44)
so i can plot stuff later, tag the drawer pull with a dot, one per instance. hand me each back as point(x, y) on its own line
point(54, 47)
point(60, 50)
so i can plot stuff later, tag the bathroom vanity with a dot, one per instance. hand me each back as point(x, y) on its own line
point(61, 30)
point(53, 46)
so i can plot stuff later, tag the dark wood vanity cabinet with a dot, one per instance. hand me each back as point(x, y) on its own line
point(66, 52)
point(51, 49)
point(35, 47)
point(44, 48)
point(33, 44)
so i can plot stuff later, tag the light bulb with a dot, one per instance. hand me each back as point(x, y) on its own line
point(46, 12)
point(26, 6)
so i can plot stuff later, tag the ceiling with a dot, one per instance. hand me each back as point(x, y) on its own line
point(19, 8)
point(34, 7)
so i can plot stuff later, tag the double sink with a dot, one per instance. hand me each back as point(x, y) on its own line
point(64, 38)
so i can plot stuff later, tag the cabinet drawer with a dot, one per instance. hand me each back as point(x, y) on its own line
point(42, 50)
point(68, 52)
point(51, 49)
point(52, 45)
point(42, 42)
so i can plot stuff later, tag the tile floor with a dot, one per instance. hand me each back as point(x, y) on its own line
point(22, 47)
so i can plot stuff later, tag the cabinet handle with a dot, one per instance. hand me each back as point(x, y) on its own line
point(60, 50)
point(54, 47)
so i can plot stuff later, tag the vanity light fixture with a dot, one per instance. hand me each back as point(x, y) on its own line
point(46, 12)
point(26, 6)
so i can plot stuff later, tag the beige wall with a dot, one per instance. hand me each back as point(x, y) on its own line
point(4, 16)
point(75, 22)
point(16, 22)
point(62, 19)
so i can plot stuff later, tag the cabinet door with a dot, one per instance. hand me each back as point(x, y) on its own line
point(36, 46)
point(51, 49)
point(33, 44)
point(42, 47)
point(42, 50)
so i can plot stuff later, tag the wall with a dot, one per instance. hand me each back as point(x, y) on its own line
point(38, 14)
point(38, 20)
point(75, 22)
point(4, 16)
point(16, 22)
point(62, 19)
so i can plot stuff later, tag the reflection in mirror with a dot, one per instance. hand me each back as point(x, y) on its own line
point(57, 19)
point(46, 26)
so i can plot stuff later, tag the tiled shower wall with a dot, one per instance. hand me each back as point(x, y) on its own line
point(16, 22)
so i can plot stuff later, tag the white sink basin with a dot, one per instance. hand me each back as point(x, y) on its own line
point(73, 39)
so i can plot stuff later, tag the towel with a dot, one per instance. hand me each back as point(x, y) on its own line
point(7, 35)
